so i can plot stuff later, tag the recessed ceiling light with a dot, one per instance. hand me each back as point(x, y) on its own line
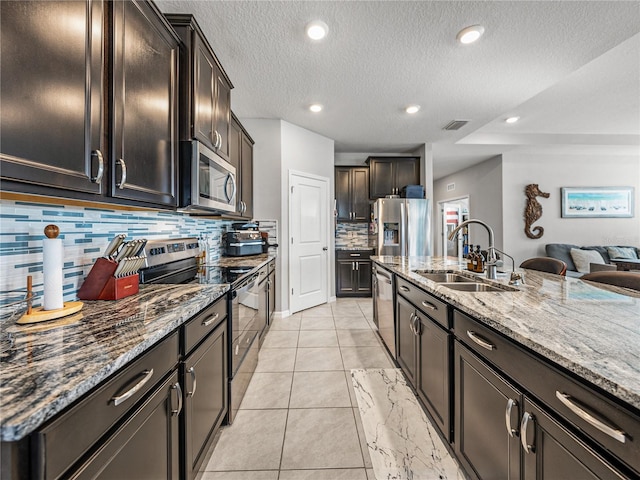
point(470, 34)
point(512, 119)
point(317, 30)
point(315, 108)
point(412, 109)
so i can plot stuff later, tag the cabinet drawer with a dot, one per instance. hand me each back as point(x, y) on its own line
point(353, 254)
point(71, 434)
point(426, 302)
point(581, 406)
point(272, 266)
point(203, 323)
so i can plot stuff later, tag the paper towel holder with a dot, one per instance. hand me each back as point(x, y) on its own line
point(39, 314)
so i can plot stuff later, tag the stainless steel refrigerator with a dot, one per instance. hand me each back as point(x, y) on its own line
point(403, 226)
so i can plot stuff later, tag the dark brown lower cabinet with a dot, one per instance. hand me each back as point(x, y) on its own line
point(204, 374)
point(502, 433)
point(145, 446)
point(554, 453)
point(406, 339)
point(483, 403)
point(433, 387)
point(353, 273)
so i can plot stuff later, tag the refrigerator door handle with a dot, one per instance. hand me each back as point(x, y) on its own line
point(403, 230)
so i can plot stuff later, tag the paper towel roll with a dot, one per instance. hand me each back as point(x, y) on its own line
point(52, 270)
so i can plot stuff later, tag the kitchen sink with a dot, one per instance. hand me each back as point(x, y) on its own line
point(444, 277)
point(477, 287)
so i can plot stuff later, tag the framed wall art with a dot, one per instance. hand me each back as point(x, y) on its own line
point(586, 202)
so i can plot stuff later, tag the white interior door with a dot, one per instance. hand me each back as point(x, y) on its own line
point(309, 242)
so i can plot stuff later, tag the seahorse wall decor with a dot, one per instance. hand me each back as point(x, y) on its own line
point(533, 210)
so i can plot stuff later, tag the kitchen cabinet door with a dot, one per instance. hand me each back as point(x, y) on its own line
point(362, 274)
point(343, 194)
point(407, 172)
point(344, 278)
point(553, 452)
point(381, 179)
point(222, 119)
point(433, 382)
point(203, 94)
point(389, 174)
point(146, 446)
point(205, 397)
point(144, 135)
point(486, 419)
point(406, 339)
point(352, 194)
point(51, 129)
point(246, 176)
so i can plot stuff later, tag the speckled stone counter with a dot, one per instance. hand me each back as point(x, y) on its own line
point(355, 249)
point(47, 366)
point(255, 261)
point(591, 331)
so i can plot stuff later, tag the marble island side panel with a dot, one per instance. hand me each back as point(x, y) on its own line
point(592, 331)
point(46, 366)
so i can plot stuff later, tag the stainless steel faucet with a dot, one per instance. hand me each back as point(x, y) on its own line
point(491, 262)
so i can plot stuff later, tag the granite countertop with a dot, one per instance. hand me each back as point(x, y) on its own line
point(591, 331)
point(355, 248)
point(46, 366)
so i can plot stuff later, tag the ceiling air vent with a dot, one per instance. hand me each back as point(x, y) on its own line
point(455, 124)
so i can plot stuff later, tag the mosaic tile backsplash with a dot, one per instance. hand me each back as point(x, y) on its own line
point(350, 235)
point(85, 233)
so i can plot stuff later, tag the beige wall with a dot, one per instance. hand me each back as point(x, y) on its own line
point(279, 147)
point(552, 172)
point(482, 183)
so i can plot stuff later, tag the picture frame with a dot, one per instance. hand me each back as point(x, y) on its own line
point(597, 202)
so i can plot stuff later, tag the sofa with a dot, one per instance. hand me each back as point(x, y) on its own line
point(578, 263)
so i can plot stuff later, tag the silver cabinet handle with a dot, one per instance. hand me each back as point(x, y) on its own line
point(411, 317)
point(192, 371)
point(98, 155)
point(388, 281)
point(507, 417)
point(210, 320)
point(357, 267)
point(117, 400)
point(417, 328)
point(354, 254)
point(405, 289)
point(429, 305)
point(480, 341)
point(528, 448)
point(591, 417)
point(123, 178)
point(176, 386)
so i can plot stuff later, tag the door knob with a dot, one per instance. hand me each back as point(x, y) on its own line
point(325, 248)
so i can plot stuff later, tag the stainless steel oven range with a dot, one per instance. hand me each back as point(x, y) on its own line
point(175, 261)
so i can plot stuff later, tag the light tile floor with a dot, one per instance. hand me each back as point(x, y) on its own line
point(299, 419)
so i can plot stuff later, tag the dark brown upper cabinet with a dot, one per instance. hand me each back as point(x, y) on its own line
point(51, 124)
point(387, 175)
point(241, 157)
point(144, 111)
point(205, 92)
point(352, 194)
point(70, 130)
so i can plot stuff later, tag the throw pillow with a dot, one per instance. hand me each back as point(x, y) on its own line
point(618, 253)
point(582, 259)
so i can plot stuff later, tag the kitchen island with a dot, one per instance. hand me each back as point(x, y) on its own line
point(561, 344)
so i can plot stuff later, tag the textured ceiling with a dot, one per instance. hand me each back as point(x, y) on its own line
point(568, 68)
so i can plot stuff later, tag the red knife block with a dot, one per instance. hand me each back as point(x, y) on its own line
point(100, 284)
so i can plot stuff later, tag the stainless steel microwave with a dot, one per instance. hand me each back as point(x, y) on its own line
point(208, 182)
